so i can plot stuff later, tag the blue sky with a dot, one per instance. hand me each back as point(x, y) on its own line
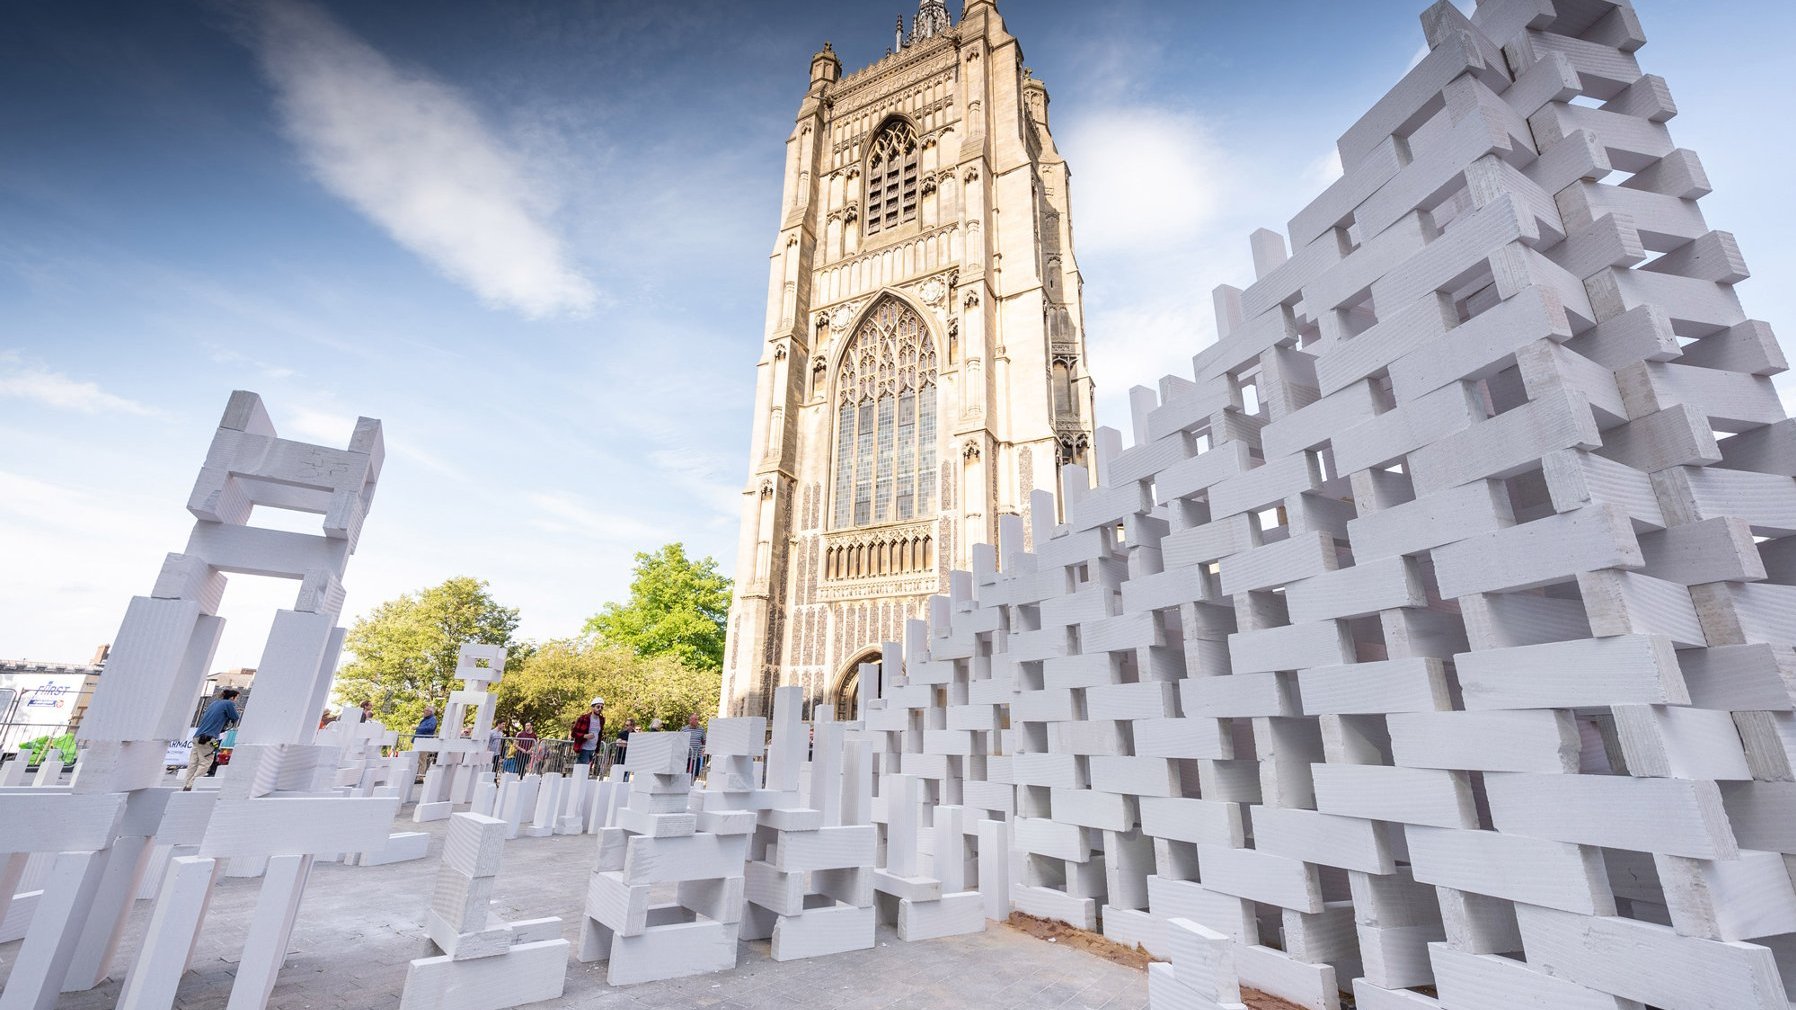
point(532, 239)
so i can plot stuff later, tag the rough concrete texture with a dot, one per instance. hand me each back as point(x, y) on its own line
point(361, 925)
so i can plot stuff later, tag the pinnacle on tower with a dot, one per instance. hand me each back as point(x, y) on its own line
point(932, 19)
point(825, 65)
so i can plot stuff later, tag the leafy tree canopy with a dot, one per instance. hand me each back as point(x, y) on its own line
point(405, 651)
point(677, 608)
point(559, 680)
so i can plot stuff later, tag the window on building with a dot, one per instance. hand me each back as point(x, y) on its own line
point(892, 177)
point(885, 420)
point(1063, 389)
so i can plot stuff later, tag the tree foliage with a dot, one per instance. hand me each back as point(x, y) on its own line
point(405, 651)
point(559, 680)
point(677, 608)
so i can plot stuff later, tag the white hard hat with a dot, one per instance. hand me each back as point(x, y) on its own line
point(598, 701)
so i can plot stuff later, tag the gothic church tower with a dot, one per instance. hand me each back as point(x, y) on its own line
point(924, 362)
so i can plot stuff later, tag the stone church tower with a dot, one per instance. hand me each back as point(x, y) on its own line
point(924, 366)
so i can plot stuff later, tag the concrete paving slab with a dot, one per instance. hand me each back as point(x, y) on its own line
point(358, 926)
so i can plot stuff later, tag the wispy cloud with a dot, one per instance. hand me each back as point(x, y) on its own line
point(322, 427)
point(329, 427)
point(30, 380)
point(1322, 172)
point(705, 475)
point(562, 512)
point(412, 154)
point(1157, 198)
point(267, 370)
point(1144, 175)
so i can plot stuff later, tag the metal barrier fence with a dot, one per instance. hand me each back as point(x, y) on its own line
point(14, 734)
point(542, 757)
point(545, 755)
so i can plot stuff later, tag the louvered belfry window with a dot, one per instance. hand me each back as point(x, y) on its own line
point(885, 420)
point(892, 177)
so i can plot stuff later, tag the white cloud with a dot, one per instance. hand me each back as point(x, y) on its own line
point(24, 380)
point(326, 427)
point(565, 513)
point(267, 370)
point(406, 449)
point(77, 554)
point(705, 476)
point(410, 152)
point(1324, 170)
point(1135, 344)
point(1142, 176)
point(309, 424)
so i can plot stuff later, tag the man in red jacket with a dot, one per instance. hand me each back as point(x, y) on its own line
point(588, 731)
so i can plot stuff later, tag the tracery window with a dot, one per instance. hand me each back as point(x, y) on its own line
point(892, 177)
point(885, 420)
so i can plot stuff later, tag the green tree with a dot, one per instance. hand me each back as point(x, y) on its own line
point(677, 608)
point(559, 679)
point(405, 651)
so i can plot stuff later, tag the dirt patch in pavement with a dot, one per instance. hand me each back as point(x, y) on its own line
point(1091, 943)
point(1257, 1000)
point(1108, 949)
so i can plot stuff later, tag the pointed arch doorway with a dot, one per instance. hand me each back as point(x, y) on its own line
point(845, 696)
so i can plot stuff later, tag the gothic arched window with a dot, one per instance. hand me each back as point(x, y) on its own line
point(892, 177)
point(885, 420)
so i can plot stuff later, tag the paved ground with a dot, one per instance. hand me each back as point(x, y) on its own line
point(359, 927)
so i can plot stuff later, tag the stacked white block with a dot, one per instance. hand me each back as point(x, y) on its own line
point(361, 770)
point(114, 825)
point(657, 842)
point(809, 878)
point(927, 883)
point(955, 750)
point(463, 758)
point(1440, 647)
point(1071, 657)
point(516, 801)
point(485, 962)
point(1199, 972)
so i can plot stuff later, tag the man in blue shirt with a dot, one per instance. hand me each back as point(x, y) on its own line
point(427, 729)
point(220, 716)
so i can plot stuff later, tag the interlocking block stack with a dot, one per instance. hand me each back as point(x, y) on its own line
point(1428, 641)
point(463, 759)
point(485, 962)
point(657, 842)
point(1200, 974)
point(273, 814)
point(927, 894)
point(809, 879)
point(1061, 820)
point(925, 886)
point(360, 770)
point(517, 800)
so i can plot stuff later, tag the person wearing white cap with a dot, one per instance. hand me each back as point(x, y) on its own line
point(588, 730)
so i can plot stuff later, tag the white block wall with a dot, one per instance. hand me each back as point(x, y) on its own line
point(1430, 642)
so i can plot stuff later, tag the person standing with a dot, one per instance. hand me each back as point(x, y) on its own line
point(622, 751)
point(588, 731)
point(367, 710)
point(695, 742)
point(523, 751)
point(426, 730)
point(219, 716)
point(495, 745)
